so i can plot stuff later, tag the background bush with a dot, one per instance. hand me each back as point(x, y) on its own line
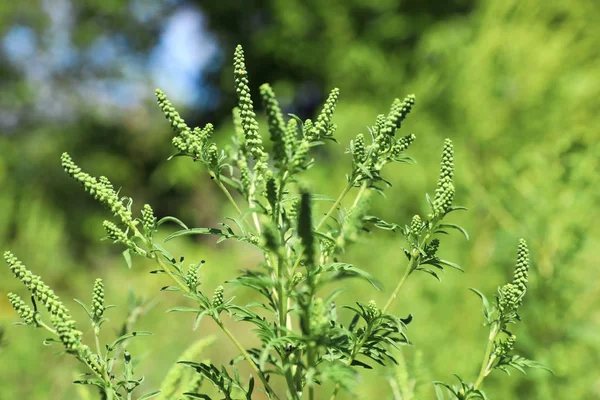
point(514, 84)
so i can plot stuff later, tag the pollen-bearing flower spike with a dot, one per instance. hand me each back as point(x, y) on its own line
point(218, 298)
point(253, 141)
point(37, 287)
point(522, 267)
point(444, 196)
point(177, 123)
point(415, 225)
point(68, 335)
point(275, 121)
point(359, 153)
point(402, 144)
point(398, 112)
point(24, 311)
point(148, 218)
point(323, 126)
point(98, 300)
point(115, 233)
point(100, 190)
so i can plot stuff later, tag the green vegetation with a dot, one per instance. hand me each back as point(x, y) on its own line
point(513, 84)
point(302, 339)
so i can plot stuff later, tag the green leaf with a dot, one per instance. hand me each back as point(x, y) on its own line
point(127, 257)
point(450, 264)
point(486, 304)
point(457, 227)
point(173, 219)
point(182, 309)
point(195, 231)
point(149, 395)
point(197, 396)
point(125, 337)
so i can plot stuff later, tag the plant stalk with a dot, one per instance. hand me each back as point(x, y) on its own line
point(484, 371)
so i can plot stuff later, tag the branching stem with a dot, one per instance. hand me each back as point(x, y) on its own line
point(487, 359)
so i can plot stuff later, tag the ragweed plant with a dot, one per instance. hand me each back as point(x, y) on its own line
point(303, 341)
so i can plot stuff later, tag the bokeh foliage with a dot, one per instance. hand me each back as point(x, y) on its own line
point(514, 84)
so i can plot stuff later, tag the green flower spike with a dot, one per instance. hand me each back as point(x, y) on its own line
point(359, 152)
point(191, 278)
point(177, 123)
point(372, 311)
point(68, 335)
point(98, 300)
point(218, 298)
point(522, 267)
point(37, 287)
point(402, 145)
point(148, 219)
point(444, 197)
point(115, 233)
point(290, 135)
point(253, 141)
point(323, 126)
point(275, 121)
point(398, 112)
point(416, 225)
point(100, 190)
point(24, 311)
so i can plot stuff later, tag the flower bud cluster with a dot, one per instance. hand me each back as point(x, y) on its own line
point(402, 144)
point(24, 311)
point(359, 152)
point(102, 190)
point(398, 112)
point(98, 300)
point(253, 141)
point(148, 219)
point(37, 287)
point(444, 197)
point(191, 278)
point(290, 135)
point(504, 347)
point(372, 311)
point(68, 335)
point(416, 225)
point(115, 233)
point(323, 127)
point(276, 123)
point(218, 298)
point(522, 267)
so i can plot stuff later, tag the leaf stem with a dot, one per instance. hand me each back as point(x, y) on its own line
point(485, 364)
point(227, 193)
point(409, 269)
point(247, 356)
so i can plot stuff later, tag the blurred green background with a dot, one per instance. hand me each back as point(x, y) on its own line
point(515, 84)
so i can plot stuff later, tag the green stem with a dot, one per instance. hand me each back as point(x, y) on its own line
point(358, 347)
point(247, 356)
point(227, 193)
point(485, 364)
point(223, 328)
point(323, 220)
point(409, 269)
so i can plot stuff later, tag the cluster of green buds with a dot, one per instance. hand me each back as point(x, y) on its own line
point(416, 226)
point(59, 314)
point(323, 128)
point(277, 126)
point(503, 347)
point(191, 277)
point(148, 220)
point(101, 189)
point(218, 297)
point(115, 233)
point(98, 300)
point(444, 193)
point(318, 321)
point(187, 141)
point(253, 142)
point(24, 311)
point(372, 311)
point(510, 296)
